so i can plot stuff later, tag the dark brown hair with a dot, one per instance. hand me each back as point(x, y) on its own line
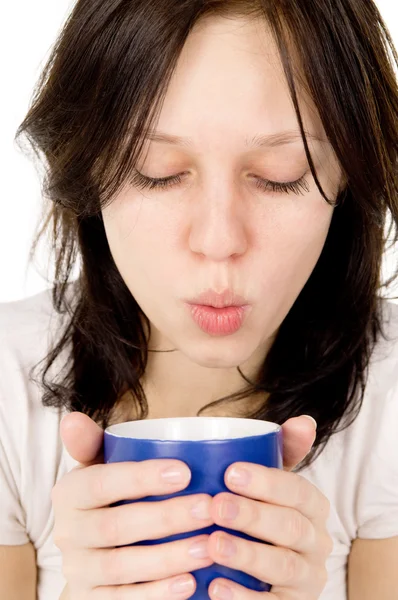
point(101, 89)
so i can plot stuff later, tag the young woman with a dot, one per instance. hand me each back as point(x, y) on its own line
point(225, 171)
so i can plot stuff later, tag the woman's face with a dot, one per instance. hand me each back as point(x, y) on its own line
point(216, 229)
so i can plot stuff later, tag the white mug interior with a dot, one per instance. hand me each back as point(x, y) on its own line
point(192, 428)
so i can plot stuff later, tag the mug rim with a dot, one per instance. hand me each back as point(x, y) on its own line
point(118, 430)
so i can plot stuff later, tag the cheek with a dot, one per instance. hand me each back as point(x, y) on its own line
point(139, 237)
point(292, 243)
point(288, 236)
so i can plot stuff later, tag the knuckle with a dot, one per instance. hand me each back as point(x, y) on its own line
point(60, 537)
point(167, 515)
point(328, 544)
point(111, 567)
point(109, 527)
point(297, 529)
point(302, 494)
point(139, 475)
point(253, 516)
point(169, 562)
point(98, 483)
point(117, 592)
point(251, 558)
point(326, 508)
point(290, 567)
point(166, 560)
point(69, 568)
point(322, 577)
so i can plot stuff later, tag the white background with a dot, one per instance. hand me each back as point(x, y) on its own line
point(28, 29)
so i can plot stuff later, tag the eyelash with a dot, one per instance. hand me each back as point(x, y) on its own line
point(143, 182)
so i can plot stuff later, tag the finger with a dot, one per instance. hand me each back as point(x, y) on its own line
point(176, 587)
point(137, 564)
point(82, 438)
point(100, 485)
point(130, 523)
point(299, 434)
point(223, 589)
point(285, 527)
point(271, 564)
point(276, 486)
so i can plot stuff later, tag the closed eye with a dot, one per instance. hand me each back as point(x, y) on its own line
point(142, 182)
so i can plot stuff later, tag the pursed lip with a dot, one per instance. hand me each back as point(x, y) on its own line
point(218, 300)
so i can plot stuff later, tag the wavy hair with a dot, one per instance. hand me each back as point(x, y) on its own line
point(98, 93)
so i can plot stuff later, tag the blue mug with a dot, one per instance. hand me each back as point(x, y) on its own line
point(208, 445)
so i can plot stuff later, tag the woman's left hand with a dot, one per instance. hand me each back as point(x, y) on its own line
point(279, 507)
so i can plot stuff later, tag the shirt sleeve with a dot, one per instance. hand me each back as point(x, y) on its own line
point(377, 501)
point(12, 519)
point(12, 513)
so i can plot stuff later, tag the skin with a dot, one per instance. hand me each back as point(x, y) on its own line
point(87, 530)
point(216, 229)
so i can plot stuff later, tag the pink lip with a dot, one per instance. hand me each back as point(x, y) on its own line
point(218, 321)
point(219, 314)
point(219, 300)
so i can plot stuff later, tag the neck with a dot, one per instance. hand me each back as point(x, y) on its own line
point(177, 387)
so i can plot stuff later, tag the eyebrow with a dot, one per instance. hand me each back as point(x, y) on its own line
point(258, 141)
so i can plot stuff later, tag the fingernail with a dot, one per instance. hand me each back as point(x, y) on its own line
point(225, 546)
point(182, 585)
point(222, 592)
point(175, 475)
point(199, 549)
point(228, 509)
point(312, 419)
point(201, 510)
point(239, 476)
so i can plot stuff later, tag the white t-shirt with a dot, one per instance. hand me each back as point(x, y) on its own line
point(357, 471)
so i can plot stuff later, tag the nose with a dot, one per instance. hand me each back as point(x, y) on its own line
point(218, 228)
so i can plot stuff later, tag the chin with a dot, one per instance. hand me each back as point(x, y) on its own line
point(219, 353)
point(216, 362)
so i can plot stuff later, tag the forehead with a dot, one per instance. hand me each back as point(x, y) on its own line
point(273, 140)
point(228, 86)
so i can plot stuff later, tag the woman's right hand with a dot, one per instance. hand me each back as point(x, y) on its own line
point(87, 530)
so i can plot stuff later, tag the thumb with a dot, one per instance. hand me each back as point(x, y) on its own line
point(82, 438)
point(299, 435)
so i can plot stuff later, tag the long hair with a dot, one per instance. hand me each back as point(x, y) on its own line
point(97, 95)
